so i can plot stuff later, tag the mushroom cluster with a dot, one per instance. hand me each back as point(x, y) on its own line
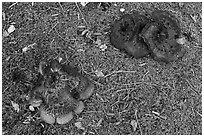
point(61, 92)
point(140, 36)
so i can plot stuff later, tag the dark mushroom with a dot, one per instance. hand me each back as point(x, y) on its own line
point(125, 35)
point(60, 92)
point(162, 42)
point(167, 20)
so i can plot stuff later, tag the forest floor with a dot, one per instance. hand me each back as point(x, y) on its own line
point(132, 96)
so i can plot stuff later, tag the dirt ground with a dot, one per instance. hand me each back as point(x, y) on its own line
point(132, 96)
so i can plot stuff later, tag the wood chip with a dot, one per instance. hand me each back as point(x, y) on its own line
point(134, 124)
point(15, 106)
point(4, 16)
point(99, 122)
point(25, 49)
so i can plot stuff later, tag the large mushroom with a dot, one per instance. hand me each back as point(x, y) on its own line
point(55, 98)
point(161, 36)
point(125, 35)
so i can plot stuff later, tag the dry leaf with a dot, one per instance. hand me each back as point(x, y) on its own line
point(99, 73)
point(134, 124)
point(15, 106)
point(11, 29)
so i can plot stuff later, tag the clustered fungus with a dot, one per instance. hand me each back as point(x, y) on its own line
point(61, 92)
point(140, 36)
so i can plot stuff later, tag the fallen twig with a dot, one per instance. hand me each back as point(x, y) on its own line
point(12, 5)
point(53, 27)
point(82, 15)
point(138, 122)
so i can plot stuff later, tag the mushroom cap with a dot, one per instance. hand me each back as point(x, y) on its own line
point(167, 20)
point(64, 119)
point(162, 42)
point(122, 31)
point(79, 108)
point(85, 88)
point(125, 35)
point(57, 100)
point(46, 116)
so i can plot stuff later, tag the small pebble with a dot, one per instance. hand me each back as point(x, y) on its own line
point(31, 108)
point(122, 10)
point(11, 29)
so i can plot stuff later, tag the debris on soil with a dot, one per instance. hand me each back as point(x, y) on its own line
point(103, 47)
point(31, 108)
point(122, 10)
point(27, 48)
point(79, 125)
point(134, 124)
point(84, 3)
point(99, 73)
point(99, 122)
point(3, 16)
point(11, 29)
point(15, 106)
